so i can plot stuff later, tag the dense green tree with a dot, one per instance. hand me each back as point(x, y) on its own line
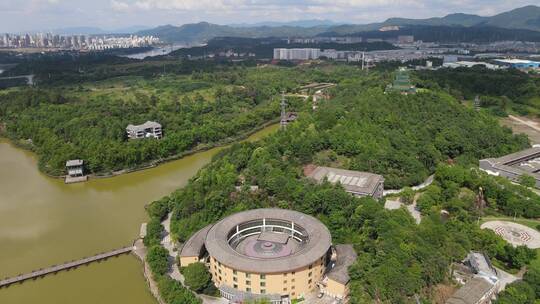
point(157, 258)
point(517, 293)
point(159, 209)
point(173, 292)
point(407, 195)
point(197, 277)
point(527, 180)
point(500, 91)
point(154, 231)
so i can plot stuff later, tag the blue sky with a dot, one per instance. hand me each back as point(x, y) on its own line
point(21, 15)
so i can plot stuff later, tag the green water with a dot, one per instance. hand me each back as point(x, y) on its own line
point(45, 222)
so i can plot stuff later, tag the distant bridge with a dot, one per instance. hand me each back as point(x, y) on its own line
point(29, 79)
point(56, 268)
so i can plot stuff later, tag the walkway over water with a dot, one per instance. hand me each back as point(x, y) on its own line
point(56, 268)
point(29, 79)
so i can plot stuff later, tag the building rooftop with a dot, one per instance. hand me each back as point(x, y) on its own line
point(516, 61)
point(144, 126)
point(291, 256)
point(290, 116)
point(317, 86)
point(481, 264)
point(346, 256)
point(472, 292)
point(522, 162)
point(195, 244)
point(74, 163)
point(352, 181)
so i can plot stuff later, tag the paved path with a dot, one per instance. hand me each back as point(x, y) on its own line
point(167, 243)
point(395, 204)
point(423, 185)
point(529, 124)
point(297, 95)
point(506, 278)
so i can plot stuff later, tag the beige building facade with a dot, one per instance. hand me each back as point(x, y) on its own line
point(293, 284)
point(276, 254)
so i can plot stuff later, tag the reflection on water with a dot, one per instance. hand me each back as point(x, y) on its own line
point(156, 51)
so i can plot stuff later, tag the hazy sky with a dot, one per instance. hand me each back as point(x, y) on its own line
point(20, 15)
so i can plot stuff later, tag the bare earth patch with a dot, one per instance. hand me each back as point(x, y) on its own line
point(524, 125)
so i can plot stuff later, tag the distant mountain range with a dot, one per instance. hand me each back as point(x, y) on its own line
point(522, 20)
point(298, 23)
point(204, 31)
point(527, 18)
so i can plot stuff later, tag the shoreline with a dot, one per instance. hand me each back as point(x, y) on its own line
point(140, 252)
point(155, 163)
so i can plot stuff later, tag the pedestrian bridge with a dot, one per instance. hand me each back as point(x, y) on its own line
point(56, 268)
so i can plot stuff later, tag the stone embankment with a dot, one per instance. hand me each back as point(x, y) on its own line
point(140, 252)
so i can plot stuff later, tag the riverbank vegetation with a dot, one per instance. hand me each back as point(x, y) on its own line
point(405, 138)
point(170, 290)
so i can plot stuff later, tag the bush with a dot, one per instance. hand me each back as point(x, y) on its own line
point(153, 233)
point(173, 292)
point(407, 195)
point(159, 209)
point(527, 180)
point(158, 259)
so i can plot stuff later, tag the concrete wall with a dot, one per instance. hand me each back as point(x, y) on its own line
point(295, 283)
point(186, 261)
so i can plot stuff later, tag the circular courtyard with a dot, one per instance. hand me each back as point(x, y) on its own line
point(515, 234)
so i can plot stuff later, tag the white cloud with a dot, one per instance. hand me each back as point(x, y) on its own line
point(117, 13)
point(119, 6)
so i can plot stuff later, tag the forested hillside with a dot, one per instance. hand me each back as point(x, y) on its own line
point(405, 138)
point(264, 48)
point(88, 121)
point(500, 91)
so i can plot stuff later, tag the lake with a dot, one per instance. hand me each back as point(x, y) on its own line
point(45, 222)
point(156, 51)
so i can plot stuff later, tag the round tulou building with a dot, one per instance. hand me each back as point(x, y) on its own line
point(274, 254)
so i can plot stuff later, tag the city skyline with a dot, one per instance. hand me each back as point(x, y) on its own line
point(49, 15)
point(75, 42)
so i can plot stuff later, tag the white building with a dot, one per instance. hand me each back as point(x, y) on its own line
point(149, 129)
point(75, 167)
point(470, 64)
point(297, 54)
